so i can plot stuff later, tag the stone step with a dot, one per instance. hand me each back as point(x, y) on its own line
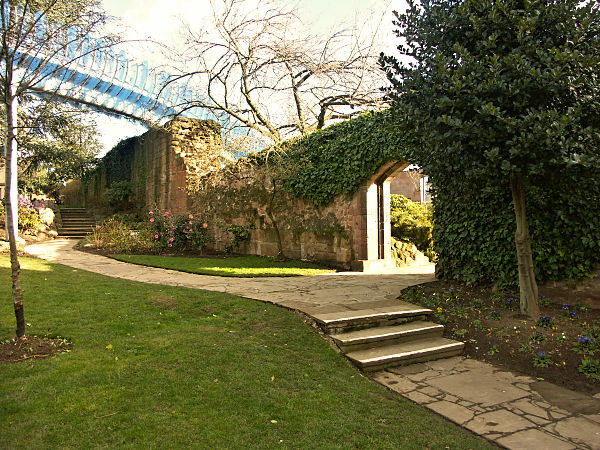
point(347, 320)
point(75, 223)
point(417, 350)
point(386, 335)
point(78, 222)
point(64, 231)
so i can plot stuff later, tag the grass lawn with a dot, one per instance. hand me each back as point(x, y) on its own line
point(238, 266)
point(166, 367)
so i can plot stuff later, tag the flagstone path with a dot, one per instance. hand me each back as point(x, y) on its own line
point(514, 411)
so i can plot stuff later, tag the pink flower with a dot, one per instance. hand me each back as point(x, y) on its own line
point(204, 225)
point(156, 236)
point(166, 214)
point(150, 212)
point(190, 216)
point(170, 245)
point(190, 222)
point(151, 219)
point(171, 239)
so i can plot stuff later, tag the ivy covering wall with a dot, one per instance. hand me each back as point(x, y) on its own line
point(337, 159)
point(474, 227)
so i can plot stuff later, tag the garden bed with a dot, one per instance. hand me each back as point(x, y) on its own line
point(561, 346)
point(33, 347)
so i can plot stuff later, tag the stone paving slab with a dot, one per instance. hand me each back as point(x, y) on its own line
point(498, 405)
point(514, 411)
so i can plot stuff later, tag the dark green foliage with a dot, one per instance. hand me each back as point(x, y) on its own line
point(412, 222)
point(337, 159)
point(240, 233)
point(118, 161)
point(474, 229)
point(118, 194)
point(55, 144)
point(500, 91)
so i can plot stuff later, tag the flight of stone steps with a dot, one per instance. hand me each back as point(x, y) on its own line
point(75, 223)
point(378, 335)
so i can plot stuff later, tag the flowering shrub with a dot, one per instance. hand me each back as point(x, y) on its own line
point(29, 218)
point(183, 232)
point(541, 359)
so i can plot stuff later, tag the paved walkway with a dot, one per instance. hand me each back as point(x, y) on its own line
point(516, 412)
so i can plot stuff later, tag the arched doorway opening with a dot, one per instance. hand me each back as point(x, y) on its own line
point(373, 231)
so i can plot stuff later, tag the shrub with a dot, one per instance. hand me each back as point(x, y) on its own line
point(118, 194)
point(117, 235)
point(240, 233)
point(176, 233)
point(412, 222)
point(29, 218)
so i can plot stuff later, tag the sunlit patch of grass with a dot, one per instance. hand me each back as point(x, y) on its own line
point(239, 266)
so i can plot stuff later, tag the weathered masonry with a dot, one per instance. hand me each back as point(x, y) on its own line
point(352, 230)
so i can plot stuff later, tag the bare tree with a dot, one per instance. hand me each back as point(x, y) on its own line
point(258, 69)
point(40, 40)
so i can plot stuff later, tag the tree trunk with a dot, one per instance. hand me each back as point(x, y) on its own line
point(527, 284)
point(11, 208)
point(271, 216)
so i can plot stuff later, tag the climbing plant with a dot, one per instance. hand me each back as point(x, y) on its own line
point(337, 159)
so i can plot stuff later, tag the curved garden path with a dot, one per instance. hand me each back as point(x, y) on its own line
point(302, 293)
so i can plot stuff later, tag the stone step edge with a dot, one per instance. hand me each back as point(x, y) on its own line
point(399, 356)
point(372, 316)
point(385, 333)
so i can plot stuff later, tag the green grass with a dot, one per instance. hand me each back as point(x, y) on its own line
point(189, 368)
point(239, 266)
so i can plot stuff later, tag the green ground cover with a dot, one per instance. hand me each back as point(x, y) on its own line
point(172, 367)
point(238, 266)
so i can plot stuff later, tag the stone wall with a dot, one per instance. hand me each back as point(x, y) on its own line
point(350, 232)
point(158, 165)
point(278, 223)
point(167, 169)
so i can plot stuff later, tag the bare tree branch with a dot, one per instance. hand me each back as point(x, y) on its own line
point(259, 67)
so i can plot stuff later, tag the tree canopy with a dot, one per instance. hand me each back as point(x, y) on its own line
point(499, 93)
point(56, 143)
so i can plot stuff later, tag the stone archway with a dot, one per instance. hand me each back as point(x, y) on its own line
point(372, 233)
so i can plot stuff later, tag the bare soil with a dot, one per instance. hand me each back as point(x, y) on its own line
point(494, 330)
point(33, 347)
